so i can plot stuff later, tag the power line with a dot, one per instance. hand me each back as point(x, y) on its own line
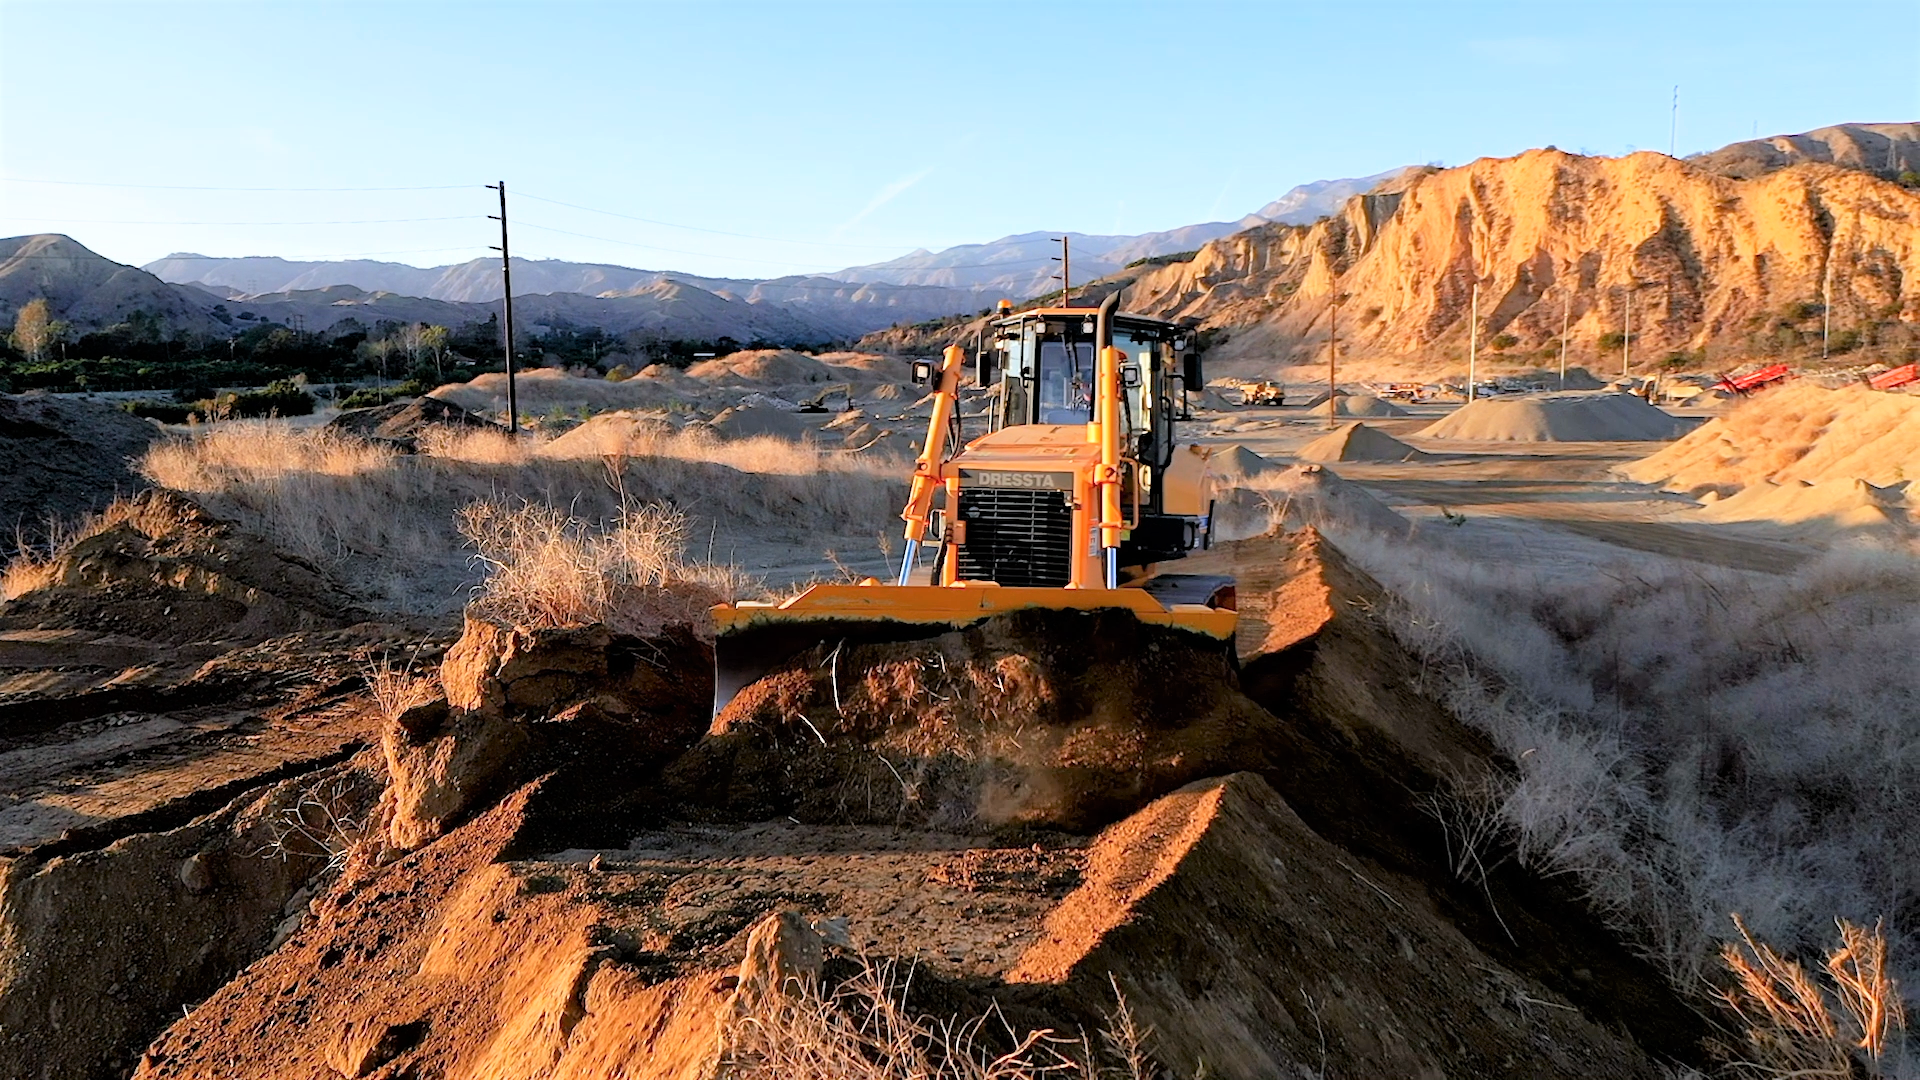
point(200, 187)
point(715, 232)
point(349, 221)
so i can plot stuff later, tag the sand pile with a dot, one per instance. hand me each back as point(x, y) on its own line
point(1236, 464)
point(1255, 494)
point(1358, 442)
point(1358, 405)
point(1799, 432)
point(60, 458)
point(763, 367)
point(1803, 508)
point(1801, 457)
point(545, 390)
point(1572, 416)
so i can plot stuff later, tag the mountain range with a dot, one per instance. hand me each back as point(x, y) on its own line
point(1709, 245)
point(920, 285)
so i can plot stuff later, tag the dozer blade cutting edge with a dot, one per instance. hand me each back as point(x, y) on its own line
point(752, 639)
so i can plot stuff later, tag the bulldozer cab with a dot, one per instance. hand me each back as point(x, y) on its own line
point(1042, 364)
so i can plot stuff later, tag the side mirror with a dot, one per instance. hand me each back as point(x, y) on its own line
point(983, 368)
point(1190, 370)
point(922, 372)
point(1130, 377)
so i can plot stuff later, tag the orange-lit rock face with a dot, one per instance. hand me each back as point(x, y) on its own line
point(1551, 235)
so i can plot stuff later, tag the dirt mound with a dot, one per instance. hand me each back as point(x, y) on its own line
point(60, 458)
point(796, 830)
point(1800, 432)
point(1232, 845)
point(1296, 497)
point(159, 568)
point(745, 423)
point(1815, 509)
point(1357, 405)
point(545, 390)
point(1058, 718)
point(763, 368)
point(1358, 442)
point(612, 433)
point(1235, 462)
point(403, 422)
point(1806, 459)
point(512, 703)
point(1573, 416)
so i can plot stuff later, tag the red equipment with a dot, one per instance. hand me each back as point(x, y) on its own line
point(1753, 380)
point(1900, 376)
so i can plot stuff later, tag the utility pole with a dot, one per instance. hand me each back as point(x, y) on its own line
point(1673, 128)
point(1826, 303)
point(1626, 335)
point(1333, 352)
point(1065, 259)
point(1473, 341)
point(1566, 315)
point(506, 288)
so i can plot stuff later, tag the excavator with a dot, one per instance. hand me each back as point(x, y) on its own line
point(1075, 495)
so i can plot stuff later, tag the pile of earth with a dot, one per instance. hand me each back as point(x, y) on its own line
point(1358, 442)
point(401, 423)
point(1355, 405)
point(1572, 416)
point(1254, 494)
point(61, 458)
point(1801, 458)
point(157, 567)
point(580, 874)
point(773, 380)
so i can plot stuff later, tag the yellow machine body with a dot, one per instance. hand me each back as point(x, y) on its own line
point(1030, 514)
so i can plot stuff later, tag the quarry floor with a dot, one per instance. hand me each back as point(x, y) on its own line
point(1545, 507)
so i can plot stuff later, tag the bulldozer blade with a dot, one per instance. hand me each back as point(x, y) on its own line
point(752, 640)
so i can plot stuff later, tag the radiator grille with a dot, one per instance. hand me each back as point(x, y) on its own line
point(1016, 537)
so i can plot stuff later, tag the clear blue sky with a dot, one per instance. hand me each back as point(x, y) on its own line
point(841, 133)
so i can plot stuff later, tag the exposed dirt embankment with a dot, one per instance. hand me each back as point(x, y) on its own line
point(182, 759)
point(583, 877)
point(60, 458)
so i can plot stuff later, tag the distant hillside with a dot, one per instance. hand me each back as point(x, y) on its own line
point(1886, 150)
point(1308, 203)
point(93, 292)
point(1712, 263)
point(90, 291)
point(827, 305)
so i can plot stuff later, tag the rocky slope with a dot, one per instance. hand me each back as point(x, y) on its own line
point(1882, 149)
point(1704, 258)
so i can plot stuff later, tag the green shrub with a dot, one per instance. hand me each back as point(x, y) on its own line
point(281, 398)
point(1502, 342)
point(167, 412)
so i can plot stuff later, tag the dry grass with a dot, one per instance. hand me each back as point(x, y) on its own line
point(863, 1030)
point(396, 688)
point(544, 568)
point(384, 522)
point(1795, 1028)
point(1686, 741)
